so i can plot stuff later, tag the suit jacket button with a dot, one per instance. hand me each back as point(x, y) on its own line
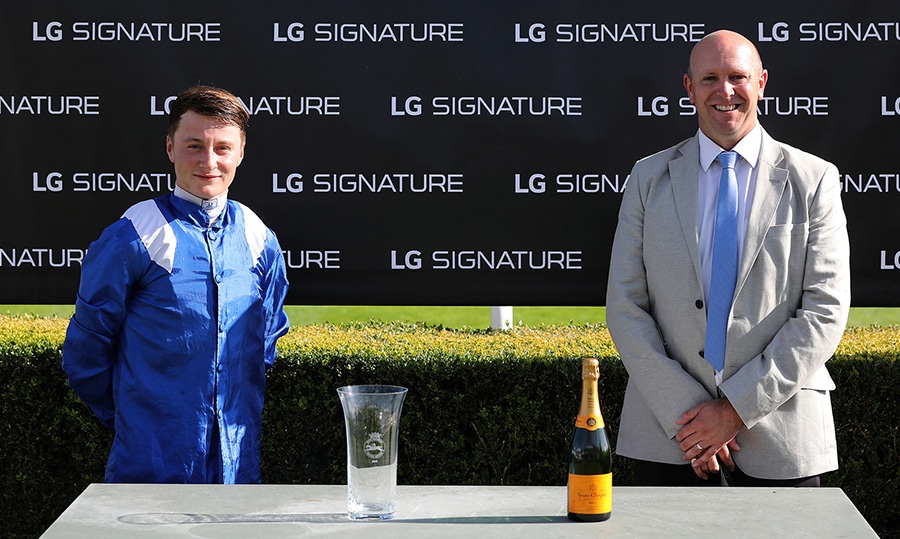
point(699, 303)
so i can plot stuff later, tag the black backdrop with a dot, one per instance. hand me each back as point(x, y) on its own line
point(448, 153)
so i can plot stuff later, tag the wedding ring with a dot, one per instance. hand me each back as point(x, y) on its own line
point(700, 447)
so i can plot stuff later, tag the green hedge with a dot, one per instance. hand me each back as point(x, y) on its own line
point(483, 408)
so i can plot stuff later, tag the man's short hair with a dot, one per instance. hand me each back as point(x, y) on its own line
point(209, 101)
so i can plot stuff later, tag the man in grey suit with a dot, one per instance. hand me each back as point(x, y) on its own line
point(764, 417)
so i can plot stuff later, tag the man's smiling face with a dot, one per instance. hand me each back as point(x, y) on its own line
point(206, 154)
point(724, 82)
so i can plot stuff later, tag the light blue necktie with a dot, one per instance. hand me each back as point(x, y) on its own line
point(724, 264)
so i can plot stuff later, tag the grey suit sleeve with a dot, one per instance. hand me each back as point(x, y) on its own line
point(663, 382)
point(816, 293)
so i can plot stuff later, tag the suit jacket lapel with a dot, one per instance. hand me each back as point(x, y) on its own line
point(683, 173)
point(770, 184)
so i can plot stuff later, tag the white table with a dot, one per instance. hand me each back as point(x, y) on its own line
point(456, 512)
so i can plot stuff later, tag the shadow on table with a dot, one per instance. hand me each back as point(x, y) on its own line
point(319, 518)
point(530, 519)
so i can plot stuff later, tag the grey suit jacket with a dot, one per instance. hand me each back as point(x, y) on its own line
point(790, 309)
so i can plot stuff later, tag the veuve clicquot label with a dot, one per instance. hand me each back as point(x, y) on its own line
point(590, 494)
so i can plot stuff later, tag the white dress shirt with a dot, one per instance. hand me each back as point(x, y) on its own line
point(709, 173)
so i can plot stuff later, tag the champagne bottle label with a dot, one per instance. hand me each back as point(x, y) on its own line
point(590, 422)
point(590, 494)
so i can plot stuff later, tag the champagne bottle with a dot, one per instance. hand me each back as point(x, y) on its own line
point(590, 458)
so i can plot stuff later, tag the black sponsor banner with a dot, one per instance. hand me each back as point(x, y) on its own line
point(469, 153)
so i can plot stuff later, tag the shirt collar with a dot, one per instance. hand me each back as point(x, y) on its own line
point(748, 148)
point(206, 204)
point(213, 206)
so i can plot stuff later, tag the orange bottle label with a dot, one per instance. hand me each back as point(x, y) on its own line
point(590, 422)
point(590, 494)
